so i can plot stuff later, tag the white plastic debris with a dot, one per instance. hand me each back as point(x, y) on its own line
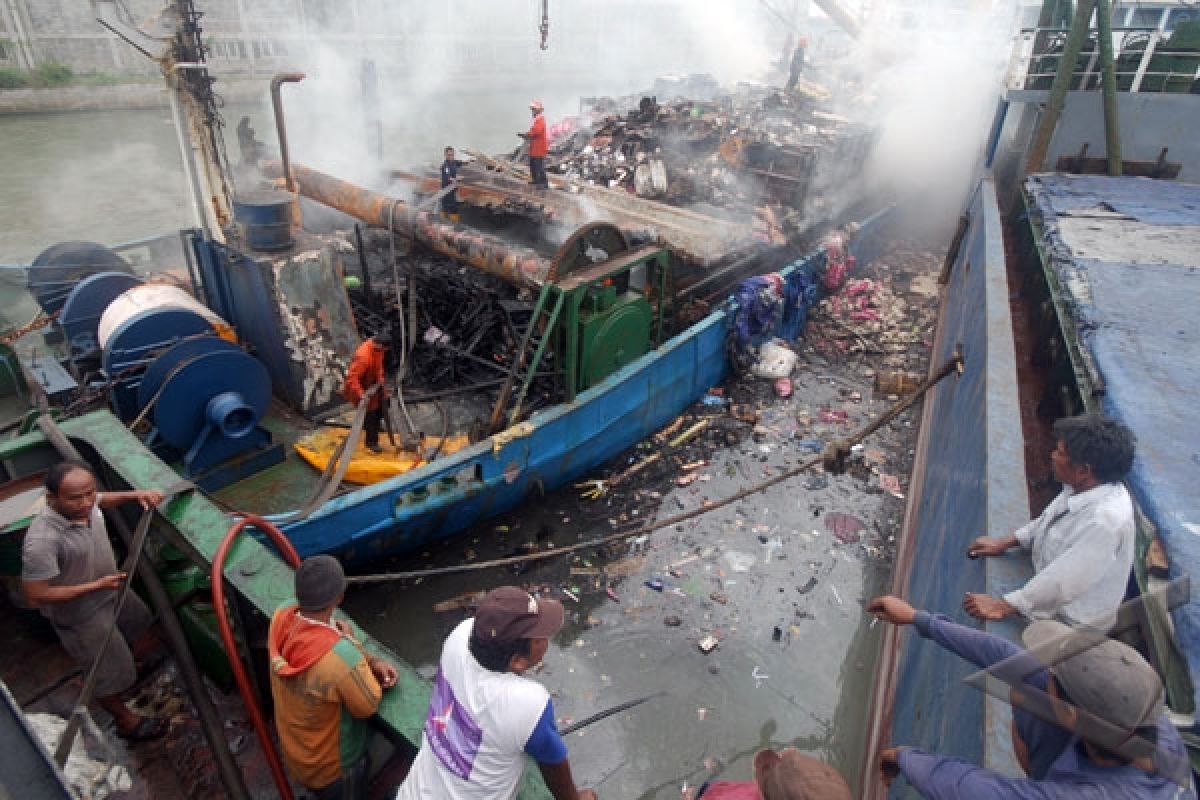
point(739, 561)
point(89, 779)
point(775, 360)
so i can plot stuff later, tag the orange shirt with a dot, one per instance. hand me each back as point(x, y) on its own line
point(538, 143)
point(366, 370)
point(321, 710)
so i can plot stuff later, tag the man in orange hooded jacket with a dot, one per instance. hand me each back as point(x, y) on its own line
point(324, 684)
point(366, 370)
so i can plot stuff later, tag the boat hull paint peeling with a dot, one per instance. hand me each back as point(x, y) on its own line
point(554, 447)
point(968, 481)
point(561, 444)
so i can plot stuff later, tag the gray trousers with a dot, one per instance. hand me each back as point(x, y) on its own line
point(83, 640)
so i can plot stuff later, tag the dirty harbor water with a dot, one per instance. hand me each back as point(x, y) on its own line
point(779, 579)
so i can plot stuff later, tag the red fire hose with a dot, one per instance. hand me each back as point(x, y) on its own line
point(235, 662)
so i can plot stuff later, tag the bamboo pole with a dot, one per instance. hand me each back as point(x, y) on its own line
point(1108, 77)
point(1058, 90)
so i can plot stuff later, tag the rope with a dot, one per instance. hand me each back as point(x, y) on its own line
point(335, 470)
point(831, 451)
point(40, 320)
point(402, 369)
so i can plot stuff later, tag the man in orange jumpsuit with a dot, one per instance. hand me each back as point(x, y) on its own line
point(366, 370)
point(539, 145)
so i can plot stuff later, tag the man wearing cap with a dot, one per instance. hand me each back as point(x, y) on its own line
point(366, 371)
point(484, 718)
point(324, 684)
point(1088, 719)
point(782, 775)
point(539, 145)
point(1082, 544)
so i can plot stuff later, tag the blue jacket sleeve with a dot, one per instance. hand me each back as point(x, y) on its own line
point(981, 648)
point(943, 778)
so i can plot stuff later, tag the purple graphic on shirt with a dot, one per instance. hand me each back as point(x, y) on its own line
point(451, 731)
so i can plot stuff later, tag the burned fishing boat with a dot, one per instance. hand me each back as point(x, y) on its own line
point(215, 369)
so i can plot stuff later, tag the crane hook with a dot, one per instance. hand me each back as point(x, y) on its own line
point(545, 26)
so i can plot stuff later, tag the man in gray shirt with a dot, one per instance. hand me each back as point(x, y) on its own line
point(69, 572)
point(1082, 544)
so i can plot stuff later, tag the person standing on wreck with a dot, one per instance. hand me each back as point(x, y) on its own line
point(1082, 544)
point(70, 574)
point(324, 685)
point(539, 145)
point(797, 65)
point(366, 370)
point(484, 718)
point(450, 166)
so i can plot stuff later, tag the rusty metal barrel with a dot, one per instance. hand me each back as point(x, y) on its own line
point(520, 265)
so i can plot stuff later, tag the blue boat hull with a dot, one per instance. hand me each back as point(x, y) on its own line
point(559, 444)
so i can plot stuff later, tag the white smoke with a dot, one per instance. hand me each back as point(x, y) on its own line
point(932, 93)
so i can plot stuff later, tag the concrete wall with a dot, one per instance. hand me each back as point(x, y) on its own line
point(970, 481)
point(107, 98)
point(459, 41)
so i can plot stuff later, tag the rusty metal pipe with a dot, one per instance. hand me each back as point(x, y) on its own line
point(277, 81)
point(520, 265)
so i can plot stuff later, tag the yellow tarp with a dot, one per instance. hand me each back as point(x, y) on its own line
point(367, 467)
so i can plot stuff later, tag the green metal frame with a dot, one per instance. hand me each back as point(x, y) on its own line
point(559, 303)
point(192, 523)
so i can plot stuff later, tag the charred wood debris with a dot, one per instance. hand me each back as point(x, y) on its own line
point(756, 150)
point(469, 327)
point(864, 347)
point(742, 150)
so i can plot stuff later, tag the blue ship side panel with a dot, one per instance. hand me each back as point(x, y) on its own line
point(1127, 255)
point(972, 483)
point(564, 443)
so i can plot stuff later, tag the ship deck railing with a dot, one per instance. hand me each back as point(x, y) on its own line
point(1146, 61)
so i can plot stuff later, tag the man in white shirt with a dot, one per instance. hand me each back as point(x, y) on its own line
point(484, 718)
point(1082, 544)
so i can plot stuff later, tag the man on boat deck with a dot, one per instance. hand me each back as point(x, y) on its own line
point(450, 166)
point(797, 63)
point(1082, 544)
point(70, 574)
point(366, 370)
point(1088, 719)
point(324, 684)
point(484, 718)
point(539, 145)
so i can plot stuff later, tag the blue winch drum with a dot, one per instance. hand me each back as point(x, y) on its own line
point(265, 219)
point(57, 269)
point(81, 313)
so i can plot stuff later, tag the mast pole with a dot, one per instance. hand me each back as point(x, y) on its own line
point(1058, 90)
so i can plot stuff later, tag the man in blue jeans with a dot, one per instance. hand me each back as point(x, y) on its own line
point(1088, 719)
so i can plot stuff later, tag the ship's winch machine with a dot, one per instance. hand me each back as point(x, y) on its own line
point(170, 366)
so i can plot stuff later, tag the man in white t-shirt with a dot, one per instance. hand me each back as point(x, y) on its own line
point(484, 718)
point(1082, 544)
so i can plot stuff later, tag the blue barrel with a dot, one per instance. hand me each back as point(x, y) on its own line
point(265, 219)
